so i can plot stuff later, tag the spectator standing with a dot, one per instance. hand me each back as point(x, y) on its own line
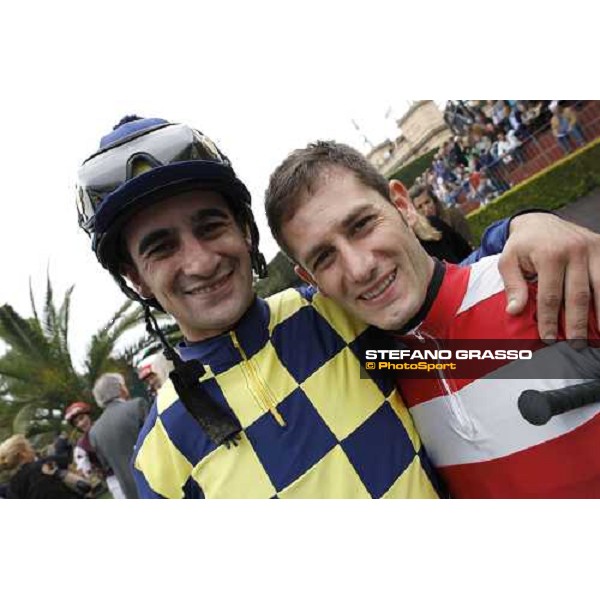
point(508, 148)
point(458, 154)
point(483, 145)
point(565, 127)
point(484, 124)
point(487, 108)
point(153, 371)
point(482, 188)
point(515, 120)
point(85, 458)
point(439, 168)
point(438, 239)
point(427, 205)
point(500, 112)
point(114, 434)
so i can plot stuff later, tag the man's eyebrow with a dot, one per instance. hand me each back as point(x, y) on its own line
point(205, 213)
point(349, 220)
point(152, 238)
point(159, 234)
point(344, 224)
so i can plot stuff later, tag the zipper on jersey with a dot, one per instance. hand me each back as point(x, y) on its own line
point(456, 407)
point(256, 384)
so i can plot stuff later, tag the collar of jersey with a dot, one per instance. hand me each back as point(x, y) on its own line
point(220, 352)
point(442, 301)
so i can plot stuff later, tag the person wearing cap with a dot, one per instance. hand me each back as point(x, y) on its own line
point(149, 377)
point(153, 371)
point(265, 398)
point(78, 416)
point(87, 462)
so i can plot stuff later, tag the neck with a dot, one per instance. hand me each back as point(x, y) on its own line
point(435, 281)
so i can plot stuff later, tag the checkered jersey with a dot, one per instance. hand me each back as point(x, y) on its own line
point(311, 427)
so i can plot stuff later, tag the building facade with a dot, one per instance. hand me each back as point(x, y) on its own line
point(420, 130)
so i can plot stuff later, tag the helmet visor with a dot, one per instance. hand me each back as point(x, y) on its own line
point(105, 171)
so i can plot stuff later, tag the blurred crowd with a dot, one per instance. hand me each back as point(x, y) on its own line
point(89, 459)
point(489, 135)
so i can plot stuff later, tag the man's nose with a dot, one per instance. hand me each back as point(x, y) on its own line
point(198, 258)
point(359, 264)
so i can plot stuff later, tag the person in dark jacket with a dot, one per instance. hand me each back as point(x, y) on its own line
point(32, 478)
point(438, 238)
point(443, 242)
point(429, 206)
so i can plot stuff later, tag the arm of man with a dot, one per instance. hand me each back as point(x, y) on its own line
point(565, 258)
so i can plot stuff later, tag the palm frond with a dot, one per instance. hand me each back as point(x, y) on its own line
point(22, 335)
point(23, 418)
point(37, 377)
point(49, 320)
point(63, 326)
point(31, 298)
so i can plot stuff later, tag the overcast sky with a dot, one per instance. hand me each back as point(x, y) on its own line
point(260, 78)
point(70, 73)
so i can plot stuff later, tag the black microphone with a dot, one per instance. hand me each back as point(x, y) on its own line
point(539, 407)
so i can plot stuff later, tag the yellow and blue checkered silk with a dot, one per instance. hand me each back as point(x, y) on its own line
point(311, 427)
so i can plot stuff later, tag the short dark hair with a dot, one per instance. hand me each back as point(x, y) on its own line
point(301, 173)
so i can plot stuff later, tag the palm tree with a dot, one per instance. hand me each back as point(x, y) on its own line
point(37, 376)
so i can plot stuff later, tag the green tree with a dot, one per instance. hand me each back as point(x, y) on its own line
point(37, 376)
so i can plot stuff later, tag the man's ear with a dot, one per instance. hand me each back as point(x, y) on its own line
point(248, 238)
point(305, 276)
point(133, 276)
point(402, 201)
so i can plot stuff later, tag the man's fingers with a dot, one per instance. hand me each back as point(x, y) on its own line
point(594, 271)
point(577, 299)
point(515, 286)
point(551, 278)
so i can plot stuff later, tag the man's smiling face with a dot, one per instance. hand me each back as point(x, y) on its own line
point(190, 254)
point(356, 247)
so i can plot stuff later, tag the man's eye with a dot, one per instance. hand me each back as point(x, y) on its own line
point(323, 260)
point(159, 249)
point(362, 223)
point(208, 229)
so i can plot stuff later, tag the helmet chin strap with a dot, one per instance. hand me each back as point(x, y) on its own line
point(257, 259)
point(217, 422)
point(259, 264)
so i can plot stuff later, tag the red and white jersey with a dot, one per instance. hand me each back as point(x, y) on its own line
point(472, 428)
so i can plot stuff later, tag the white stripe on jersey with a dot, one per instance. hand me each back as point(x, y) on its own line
point(484, 282)
point(494, 427)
